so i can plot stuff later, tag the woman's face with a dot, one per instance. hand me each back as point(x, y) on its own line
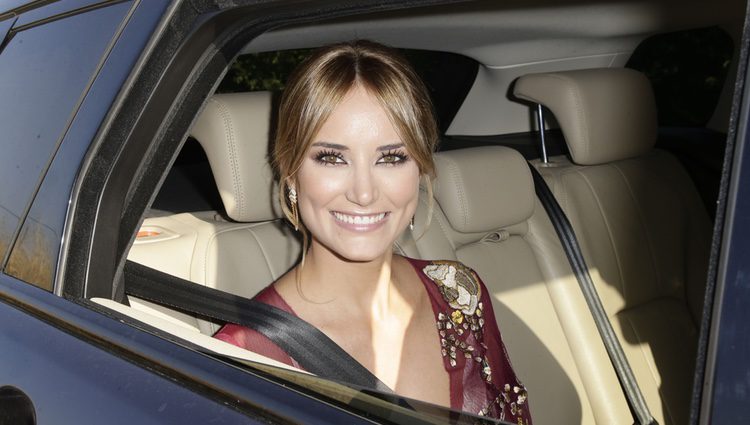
point(357, 187)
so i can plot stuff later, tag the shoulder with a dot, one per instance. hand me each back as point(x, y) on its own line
point(458, 284)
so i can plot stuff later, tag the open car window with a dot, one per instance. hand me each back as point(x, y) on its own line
point(197, 209)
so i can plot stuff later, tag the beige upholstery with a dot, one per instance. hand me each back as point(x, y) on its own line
point(643, 230)
point(240, 257)
point(596, 133)
point(487, 217)
point(473, 207)
point(234, 131)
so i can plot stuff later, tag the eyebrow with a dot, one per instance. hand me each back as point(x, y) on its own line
point(390, 147)
point(331, 146)
point(346, 148)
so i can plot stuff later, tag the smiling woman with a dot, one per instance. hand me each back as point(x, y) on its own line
point(367, 183)
point(355, 137)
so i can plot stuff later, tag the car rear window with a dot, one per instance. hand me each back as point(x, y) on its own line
point(687, 70)
point(448, 76)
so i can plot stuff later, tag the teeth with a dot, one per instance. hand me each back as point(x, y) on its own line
point(359, 219)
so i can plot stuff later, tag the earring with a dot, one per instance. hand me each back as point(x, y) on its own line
point(293, 200)
point(411, 224)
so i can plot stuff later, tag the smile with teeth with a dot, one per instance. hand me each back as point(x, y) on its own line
point(359, 219)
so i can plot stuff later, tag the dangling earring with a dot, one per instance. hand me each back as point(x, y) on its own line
point(293, 200)
point(411, 224)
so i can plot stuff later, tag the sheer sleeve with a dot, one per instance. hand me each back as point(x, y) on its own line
point(510, 390)
point(482, 378)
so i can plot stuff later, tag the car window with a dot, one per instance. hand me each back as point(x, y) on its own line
point(687, 70)
point(448, 76)
point(57, 59)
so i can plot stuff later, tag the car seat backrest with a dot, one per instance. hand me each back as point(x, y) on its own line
point(252, 246)
point(486, 215)
point(642, 227)
point(234, 130)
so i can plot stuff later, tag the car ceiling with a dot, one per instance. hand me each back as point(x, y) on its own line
point(514, 37)
point(505, 33)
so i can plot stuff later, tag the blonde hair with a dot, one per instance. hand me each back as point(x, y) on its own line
point(320, 83)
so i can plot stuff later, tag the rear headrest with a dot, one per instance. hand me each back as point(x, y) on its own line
point(483, 189)
point(605, 114)
point(234, 131)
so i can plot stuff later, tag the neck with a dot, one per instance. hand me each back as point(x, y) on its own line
point(359, 286)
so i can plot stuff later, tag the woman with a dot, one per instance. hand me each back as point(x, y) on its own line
point(355, 137)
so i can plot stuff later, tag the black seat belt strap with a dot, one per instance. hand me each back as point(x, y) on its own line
point(306, 344)
point(580, 269)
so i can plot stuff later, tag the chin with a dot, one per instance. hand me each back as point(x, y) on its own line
point(364, 252)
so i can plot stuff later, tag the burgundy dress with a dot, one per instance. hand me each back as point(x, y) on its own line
point(482, 380)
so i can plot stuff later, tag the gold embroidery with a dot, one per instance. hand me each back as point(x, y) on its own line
point(457, 317)
point(457, 283)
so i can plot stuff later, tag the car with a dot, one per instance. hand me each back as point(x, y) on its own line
point(135, 140)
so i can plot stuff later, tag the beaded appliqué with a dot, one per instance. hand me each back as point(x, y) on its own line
point(457, 283)
point(460, 288)
point(514, 397)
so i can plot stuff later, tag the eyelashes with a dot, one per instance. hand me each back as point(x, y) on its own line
point(329, 157)
point(392, 157)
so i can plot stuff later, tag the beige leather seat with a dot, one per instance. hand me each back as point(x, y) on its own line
point(253, 246)
point(643, 230)
point(488, 217)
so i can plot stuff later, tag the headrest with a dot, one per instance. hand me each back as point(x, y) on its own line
point(234, 131)
point(485, 188)
point(606, 114)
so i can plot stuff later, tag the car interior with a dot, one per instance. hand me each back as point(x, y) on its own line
point(638, 192)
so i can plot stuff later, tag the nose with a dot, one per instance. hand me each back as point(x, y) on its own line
point(363, 188)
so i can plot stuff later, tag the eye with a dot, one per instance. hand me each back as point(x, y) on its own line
point(396, 157)
point(329, 158)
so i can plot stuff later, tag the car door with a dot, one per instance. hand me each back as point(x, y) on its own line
point(722, 393)
point(61, 68)
point(51, 60)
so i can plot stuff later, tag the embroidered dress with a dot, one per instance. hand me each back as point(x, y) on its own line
point(482, 380)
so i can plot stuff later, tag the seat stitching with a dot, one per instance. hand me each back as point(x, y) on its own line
point(609, 233)
point(263, 251)
point(459, 190)
point(643, 225)
point(436, 217)
point(233, 160)
point(210, 242)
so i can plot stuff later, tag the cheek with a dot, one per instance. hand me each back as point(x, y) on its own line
point(401, 186)
point(318, 185)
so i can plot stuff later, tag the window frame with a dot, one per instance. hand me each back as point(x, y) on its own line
point(126, 164)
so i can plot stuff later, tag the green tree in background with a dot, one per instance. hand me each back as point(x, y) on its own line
point(262, 71)
point(687, 70)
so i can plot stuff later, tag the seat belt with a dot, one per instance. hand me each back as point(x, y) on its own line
point(306, 344)
point(580, 269)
